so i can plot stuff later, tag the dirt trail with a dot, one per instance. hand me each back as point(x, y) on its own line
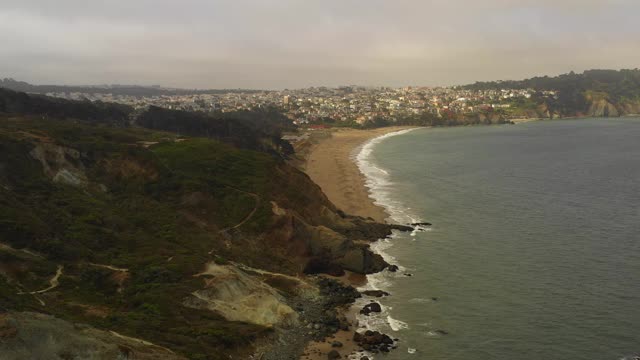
point(143, 342)
point(264, 272)
point(53, 283)
point(120, 278)
point(25, 251)
point(109, 267)
point(246, 218)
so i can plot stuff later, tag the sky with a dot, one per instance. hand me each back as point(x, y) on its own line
point(277, 44)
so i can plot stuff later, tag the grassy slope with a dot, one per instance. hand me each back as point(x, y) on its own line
point(143, 222)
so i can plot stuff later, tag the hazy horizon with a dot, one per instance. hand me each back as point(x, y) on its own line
point(291, 44)
point(162, 86)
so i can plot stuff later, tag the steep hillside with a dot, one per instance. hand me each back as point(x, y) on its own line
point(148, 235)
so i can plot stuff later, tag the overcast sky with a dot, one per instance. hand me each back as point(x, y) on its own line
point(274, 44)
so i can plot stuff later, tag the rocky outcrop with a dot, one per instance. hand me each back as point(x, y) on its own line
point(331, 250)
point(237, 296)
point(372, 307)
point(375, 293)
point(369, 230)
point(362, 260)
point(61, 164)
point(337, 294)
point(374, 341)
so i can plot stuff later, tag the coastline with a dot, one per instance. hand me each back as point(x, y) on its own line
point(332, 164)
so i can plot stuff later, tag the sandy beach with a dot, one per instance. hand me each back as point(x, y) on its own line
point(330, 164)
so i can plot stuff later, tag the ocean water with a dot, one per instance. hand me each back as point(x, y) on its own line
point(534, 252)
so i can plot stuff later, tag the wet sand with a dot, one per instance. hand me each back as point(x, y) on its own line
point(331, 165)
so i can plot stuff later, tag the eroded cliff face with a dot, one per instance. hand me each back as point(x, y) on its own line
point(340, 244)
point(238, 296)
point(601, 105)
point(603, 108)
point(61, 164)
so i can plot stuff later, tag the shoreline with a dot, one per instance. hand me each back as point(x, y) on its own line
point(332, 164)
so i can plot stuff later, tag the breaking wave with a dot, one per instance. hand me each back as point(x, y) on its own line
point(381, 187)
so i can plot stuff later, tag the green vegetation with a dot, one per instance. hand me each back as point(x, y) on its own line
point(255, 130)
point(111, 224)
point(578, 93)
point(155, 211)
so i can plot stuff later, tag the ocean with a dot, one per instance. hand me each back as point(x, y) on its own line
point(534, 252)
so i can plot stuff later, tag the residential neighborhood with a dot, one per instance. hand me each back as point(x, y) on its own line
point(345, 104)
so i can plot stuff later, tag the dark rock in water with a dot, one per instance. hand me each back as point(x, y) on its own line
point(408, 274)
point(420, 224)
point(372, 307)
point(364, 358)
point(434, 299)
point(442, 332)
point(393, 268)
point(370, 230)
point(401, 227)
point(333, 354)
point(375, 293)
point(374, 341)
point(336, 344)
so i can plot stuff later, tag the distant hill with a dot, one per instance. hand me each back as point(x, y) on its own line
point(592, 93)
point(130, 90)
point(255, 130)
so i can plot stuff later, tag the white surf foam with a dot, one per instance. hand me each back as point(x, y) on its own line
point(380, 185)
point(378, 180)
point(395, 324)
point(420, 301)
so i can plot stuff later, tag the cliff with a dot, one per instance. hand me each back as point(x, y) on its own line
point(152, 245)
point(595, 93)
